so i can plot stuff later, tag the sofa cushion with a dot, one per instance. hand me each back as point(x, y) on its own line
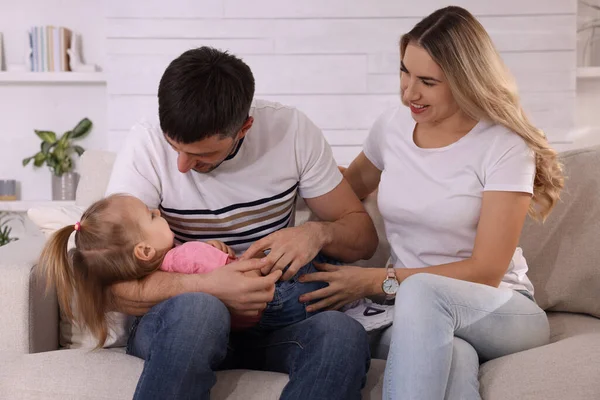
point(566, 325)
point(111, 374)
point(95, 168)
point(51, 219)
point(563, 253)
point(565, 369)
point(28, 316)
point(70, 374)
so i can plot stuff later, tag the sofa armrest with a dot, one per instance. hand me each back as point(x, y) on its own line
point(28, 317)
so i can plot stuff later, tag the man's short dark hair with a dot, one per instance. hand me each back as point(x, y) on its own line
point(202, 93)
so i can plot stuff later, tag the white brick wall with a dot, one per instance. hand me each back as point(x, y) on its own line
point(336, 60)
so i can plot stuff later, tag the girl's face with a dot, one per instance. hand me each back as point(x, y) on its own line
point(155, 229)
point(424, 87)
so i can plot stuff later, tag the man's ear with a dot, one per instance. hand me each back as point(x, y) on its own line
point(142, 251)
point(246, 127)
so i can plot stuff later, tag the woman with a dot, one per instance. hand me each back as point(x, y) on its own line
point(457, 173)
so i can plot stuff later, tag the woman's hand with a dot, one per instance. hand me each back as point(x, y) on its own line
point(346, 284)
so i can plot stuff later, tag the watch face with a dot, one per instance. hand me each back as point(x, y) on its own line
point(390, 286)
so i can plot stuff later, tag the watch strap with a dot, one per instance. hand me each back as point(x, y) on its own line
point(391, 272)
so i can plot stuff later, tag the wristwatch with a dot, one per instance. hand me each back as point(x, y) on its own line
point(390, 284)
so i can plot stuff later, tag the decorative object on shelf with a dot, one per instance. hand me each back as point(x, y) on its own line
point(56, 154)
point(1, 53)
point(8, 190)
point(27, 66)
point(5, 229)
point(64, 187)
point(75, 60)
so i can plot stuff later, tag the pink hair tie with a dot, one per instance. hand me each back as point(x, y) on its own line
point(77, 226)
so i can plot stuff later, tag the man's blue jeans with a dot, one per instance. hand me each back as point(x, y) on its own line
point(285, 309)
point(185, 339)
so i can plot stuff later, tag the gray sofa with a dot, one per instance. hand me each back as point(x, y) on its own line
point(564, 258)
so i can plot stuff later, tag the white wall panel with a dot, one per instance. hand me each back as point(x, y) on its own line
point(516, 33)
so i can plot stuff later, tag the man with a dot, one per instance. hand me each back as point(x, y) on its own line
point(220, 167)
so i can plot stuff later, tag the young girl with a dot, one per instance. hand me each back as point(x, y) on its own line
point(120, 239)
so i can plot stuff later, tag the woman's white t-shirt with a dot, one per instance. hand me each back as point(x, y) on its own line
point(430, 199)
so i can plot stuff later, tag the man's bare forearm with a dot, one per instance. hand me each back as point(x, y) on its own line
point(351, 238)
point(137, 297)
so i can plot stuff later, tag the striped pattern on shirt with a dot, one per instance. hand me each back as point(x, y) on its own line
point(236, 225)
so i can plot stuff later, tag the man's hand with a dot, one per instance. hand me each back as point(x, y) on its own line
point(241, 292)
point(222, 246)
point(290, 246)
point(253, 273)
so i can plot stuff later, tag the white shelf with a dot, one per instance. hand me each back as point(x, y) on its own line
point(23, 206)
point(588, 72)
point(52, 77)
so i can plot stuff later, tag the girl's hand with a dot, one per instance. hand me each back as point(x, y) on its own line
point(346, 284)
point(223, 247)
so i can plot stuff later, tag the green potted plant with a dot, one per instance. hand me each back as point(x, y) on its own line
point(56, 153)
point(5, 230)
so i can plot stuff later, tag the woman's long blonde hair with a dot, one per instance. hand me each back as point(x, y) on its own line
point(103, 255)
point(484, 89)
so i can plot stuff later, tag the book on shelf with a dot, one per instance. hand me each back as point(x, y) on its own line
point(49, 46)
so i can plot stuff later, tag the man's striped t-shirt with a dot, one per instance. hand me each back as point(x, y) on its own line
point(249, 196)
